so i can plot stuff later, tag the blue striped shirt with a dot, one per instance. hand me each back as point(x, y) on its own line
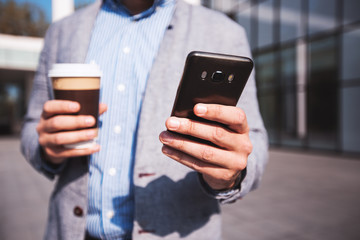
point(124, 47)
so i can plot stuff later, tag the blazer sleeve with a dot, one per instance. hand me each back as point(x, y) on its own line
point(40, 94)
point(258, 159)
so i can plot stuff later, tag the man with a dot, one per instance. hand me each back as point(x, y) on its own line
point(128, 189)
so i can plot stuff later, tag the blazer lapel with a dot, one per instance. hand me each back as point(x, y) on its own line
point(160, 93)
point(81, 36)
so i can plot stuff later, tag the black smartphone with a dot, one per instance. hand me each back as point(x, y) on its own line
point(210, 78)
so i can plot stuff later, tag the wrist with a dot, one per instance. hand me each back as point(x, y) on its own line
point(221, 186)
point(50, 160)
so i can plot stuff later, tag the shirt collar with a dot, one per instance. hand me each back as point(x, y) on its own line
point(117, 6)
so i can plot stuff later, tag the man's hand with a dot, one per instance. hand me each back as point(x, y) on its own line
point(221, 165)
point(57, 128)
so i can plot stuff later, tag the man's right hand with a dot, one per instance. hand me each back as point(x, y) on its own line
point(57, 127)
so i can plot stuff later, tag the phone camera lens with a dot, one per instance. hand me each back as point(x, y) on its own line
point(218, 76)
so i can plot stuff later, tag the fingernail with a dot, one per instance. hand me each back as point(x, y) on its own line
point(173, 124)
point(89, 121)
point(201, 109)
point(165, 137)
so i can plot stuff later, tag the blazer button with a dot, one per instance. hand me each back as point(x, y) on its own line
point(78, 211)
point(146, 175)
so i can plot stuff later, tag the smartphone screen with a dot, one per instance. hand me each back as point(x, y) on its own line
point(210, 78)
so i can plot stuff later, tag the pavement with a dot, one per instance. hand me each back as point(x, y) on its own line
point(302, 196)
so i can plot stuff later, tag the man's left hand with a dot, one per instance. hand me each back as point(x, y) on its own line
point(219, 165)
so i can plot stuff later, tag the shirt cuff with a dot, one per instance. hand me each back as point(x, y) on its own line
point(224, 195)
point(48, 168)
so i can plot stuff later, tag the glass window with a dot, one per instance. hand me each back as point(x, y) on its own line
point(322, 15)
point(351, 11)
point(265, 24)
point(268, 93)
point(290, 20)
point(288, 67)
point(265, 70)
point(12, 102)
point(351, 55)
point(351, 119)
point(322, 97)
point(289, 128)
point(244, 19)
point(269, 108)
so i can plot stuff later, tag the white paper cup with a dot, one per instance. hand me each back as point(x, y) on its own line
point(80, 83)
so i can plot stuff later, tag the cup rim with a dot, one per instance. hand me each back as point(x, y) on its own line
point(75, 70)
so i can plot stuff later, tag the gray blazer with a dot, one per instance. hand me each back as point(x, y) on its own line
point(170, 202)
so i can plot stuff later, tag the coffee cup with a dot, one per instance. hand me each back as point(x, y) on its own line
point(80, 83)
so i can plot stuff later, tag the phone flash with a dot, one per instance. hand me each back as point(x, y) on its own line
point(230, 78)
point(203, 75)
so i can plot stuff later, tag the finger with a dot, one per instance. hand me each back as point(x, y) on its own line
point(54, 107)
point(203, 152)
point(62, 153)
point(68, 122)
point(221, 175)
point(218, 135)
point(70, 137)
point(188, 160)
point(102, 108)
point(233, 117)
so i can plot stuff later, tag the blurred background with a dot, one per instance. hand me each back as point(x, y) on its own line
point(307, 60)
point(306, 54)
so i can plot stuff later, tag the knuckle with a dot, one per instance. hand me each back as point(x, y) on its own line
point(228, 176)
point(248, 147)
point(218, 110)
point(179, 156)
point(180, 145)
point(189, 126)
point(192, 126)
point(219, 134)
point(207, 154)
point(41, 141)
point(38, 128)
point(58, 139)
point(196, 165)
point(47, 106)
point(240, 166)
point(241, 117)
point(55, 123)
point(49, 152)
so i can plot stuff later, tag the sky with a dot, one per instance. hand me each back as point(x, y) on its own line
point(46, 5)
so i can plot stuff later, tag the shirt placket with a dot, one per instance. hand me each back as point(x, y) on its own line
point(120, 122)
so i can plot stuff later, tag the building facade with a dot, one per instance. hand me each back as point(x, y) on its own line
point(18, 60)
point(307, 60)
point(19, 56)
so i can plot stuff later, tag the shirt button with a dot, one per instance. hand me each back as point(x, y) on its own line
point(112, 171)
point(121, 87)
point(126, 50)
point(117, 129)
point(110, 214)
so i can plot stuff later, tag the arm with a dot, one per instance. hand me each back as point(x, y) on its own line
point(237, 165)
point(43, 134)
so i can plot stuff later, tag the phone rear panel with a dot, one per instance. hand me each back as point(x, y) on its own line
point(211, 78)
